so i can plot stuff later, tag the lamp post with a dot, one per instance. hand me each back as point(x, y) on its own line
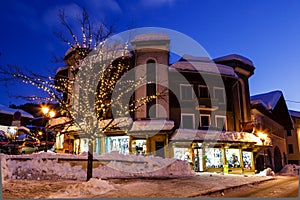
point(48, 114)
point(263, 138)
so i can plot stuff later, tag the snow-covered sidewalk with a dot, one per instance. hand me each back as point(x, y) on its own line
point(193, 186)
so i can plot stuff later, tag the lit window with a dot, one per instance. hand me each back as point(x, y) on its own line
point(186, 92)
point(219, 94)
point(187, 121)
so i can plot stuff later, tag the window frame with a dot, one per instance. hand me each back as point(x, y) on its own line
point(187, 114)
point(225, 121)
point(199, 91)
point(192, 91)
point(224, 96)
point(205, 115)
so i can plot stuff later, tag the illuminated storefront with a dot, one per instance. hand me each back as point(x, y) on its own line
point(226, 154)
point(117, 143)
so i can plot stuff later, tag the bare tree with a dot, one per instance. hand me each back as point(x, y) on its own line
point(97, 69)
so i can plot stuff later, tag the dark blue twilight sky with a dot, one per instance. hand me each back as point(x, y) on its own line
point(267, 32)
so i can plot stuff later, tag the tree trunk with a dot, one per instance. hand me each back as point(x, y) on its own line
point(89, 174)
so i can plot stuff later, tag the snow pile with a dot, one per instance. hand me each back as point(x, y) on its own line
point(91, 188)
point(290, 170)
point(47, 166)
point(266, 172)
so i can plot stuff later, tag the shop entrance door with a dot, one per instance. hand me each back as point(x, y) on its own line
point(159, 148)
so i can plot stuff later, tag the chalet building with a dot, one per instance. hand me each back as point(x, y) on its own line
point(204, 117)
point(293, 139)
point(215, 133)
point(270, 115)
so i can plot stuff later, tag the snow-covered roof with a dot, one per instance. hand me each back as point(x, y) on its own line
point(202, 64)
point(118, 122)
point(268, 100)
point(214, 135)
point(59, 121)
point(294, 113)
point(11, 111)
point(152, 125)
point(150, 37)
point(235, 57)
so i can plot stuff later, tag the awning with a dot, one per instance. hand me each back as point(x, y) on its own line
point(217, 136)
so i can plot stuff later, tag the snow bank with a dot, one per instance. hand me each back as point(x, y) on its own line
point(91, 188)
point(46, 166)
point(266, 172)
point(290, 170)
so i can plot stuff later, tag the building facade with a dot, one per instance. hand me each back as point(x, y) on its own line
point(270, 115)
point(204, 116)
point(293, 139)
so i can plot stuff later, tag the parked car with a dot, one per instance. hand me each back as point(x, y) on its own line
point(12, 147)
point(3, 140)
point(27, 148)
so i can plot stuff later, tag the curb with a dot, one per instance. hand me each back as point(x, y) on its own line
point(230, 188)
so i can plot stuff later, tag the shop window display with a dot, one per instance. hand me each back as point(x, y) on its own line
point(120, 144)
point(233, 158)
point(139, 147)
point(182, 153)
point(247, 158)
point(214, 158)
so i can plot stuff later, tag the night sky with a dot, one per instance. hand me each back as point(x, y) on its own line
point(267, 32)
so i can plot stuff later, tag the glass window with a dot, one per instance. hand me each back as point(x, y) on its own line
point(139, 147)
point(187, 121)
point(182, 153)
point(117, 143)
point(186, 92)
point(59, 141)
point(214, 158)
point(203, 91)
point(247, 159)
point(219, 94)
point(221, 122)
point(233, 158)
point(204, 120)
point(289, 133)
point(291, 150)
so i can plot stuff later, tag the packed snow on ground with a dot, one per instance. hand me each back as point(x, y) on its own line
point(290, 170)
point(45, 166)
point(92, 187)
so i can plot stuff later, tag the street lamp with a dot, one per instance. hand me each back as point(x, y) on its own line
point(263, 137)
point(48, 114)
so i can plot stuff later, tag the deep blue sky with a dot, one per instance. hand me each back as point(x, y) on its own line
point(267, 32)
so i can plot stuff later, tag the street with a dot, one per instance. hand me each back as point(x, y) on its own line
point(280, 187)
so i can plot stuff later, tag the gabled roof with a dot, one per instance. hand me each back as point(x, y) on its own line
point(269, 100)
point(274, 106)
point(11, 111)
point(294, 113)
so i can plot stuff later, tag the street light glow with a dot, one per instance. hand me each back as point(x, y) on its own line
point(52, 114)
point(45, 110)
